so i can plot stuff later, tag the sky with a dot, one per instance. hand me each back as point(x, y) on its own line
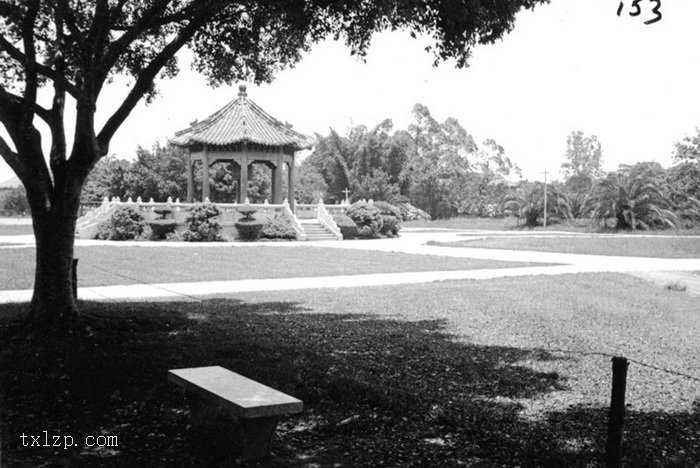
point(570, 65)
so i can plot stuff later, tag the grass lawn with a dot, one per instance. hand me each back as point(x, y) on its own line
point(106, 265)
point(494, 224)
point(510, 372)
point(663, 247)
point(15, 229)
point(511, 224)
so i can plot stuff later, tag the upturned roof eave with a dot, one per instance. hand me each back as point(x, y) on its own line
point(298, 146)
point(281, 134)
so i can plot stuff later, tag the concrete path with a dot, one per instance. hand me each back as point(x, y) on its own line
point(411, 242)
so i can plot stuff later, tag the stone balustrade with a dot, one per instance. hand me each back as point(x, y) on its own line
point(88, 224)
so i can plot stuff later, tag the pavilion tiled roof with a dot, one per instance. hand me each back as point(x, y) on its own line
point(241, 120)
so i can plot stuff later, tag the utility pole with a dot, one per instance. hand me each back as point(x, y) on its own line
point(545, 197)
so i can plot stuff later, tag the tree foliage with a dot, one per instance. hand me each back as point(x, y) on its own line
point(158, 174)
point(584, 156)
point(13, 202)
point(634, 202)
point(109, 178)
point(310, 186)
point(528, 202)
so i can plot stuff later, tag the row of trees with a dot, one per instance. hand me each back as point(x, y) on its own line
point(435, 166)
point(641, 196)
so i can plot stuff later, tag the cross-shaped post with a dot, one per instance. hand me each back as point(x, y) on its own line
point(346, 192)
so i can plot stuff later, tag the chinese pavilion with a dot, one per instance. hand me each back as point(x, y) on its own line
point(244, 134)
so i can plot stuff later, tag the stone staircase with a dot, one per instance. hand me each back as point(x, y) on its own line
point(315, 231)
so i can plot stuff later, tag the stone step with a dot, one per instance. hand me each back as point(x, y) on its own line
point(315, 231)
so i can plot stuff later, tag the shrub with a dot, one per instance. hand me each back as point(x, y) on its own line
point(368, 219)
point(347, 226)
point(202, 225)
point(412, 213)
point(528, 202)
point(249, 229)
point(279, 227)
point(125, 223)
point(635, 203)
point(160, 228)
point(391, 218)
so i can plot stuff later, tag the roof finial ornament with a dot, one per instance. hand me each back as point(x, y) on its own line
point(242, 91)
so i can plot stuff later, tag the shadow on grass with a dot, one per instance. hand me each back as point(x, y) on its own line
point(376, 392)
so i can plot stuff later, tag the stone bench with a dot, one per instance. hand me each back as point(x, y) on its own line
point(255, 407)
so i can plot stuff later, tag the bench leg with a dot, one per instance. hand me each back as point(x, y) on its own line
point(201, 411)
point(255, 436)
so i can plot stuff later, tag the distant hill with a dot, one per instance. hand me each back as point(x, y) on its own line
point(10, 183)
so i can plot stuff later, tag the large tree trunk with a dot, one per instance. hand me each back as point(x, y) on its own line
point(53, 304)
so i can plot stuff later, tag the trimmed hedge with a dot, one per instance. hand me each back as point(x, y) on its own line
point(202, 225)
point(391, 218)
point(279, 227)
point(125, 223)
point(347, 226)
point(368, 219)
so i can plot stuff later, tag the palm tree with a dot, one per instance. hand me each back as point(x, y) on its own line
point(634, 202)
point(528, 202)
point(578, 203)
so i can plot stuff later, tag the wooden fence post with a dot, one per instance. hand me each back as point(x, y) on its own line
point(616, 418)
point(74, 278)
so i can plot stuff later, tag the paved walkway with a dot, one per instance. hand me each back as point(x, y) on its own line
point(660, 270)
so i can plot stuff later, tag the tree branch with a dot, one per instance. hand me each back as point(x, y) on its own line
point(99, 29)
point(143, 84)
point(28, 161)
point(117, 48)
point(7, 97)
point(63, 8)
point(13, 160)
point(43, 70)
point(57, 156)
point(31, 80)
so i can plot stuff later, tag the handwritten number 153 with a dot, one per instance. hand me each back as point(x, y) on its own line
point(637, 10)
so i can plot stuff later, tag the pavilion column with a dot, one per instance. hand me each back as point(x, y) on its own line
point(290, 184)
point(205, 175)
point(243, 180)
point(277, 181)
point(273, 170)
point(190, 179)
